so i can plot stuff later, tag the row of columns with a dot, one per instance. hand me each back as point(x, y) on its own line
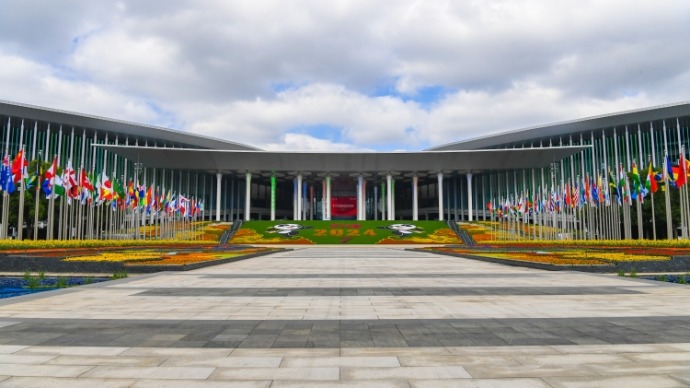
point(361, 197)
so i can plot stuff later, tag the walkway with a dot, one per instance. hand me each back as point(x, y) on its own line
point(361, 317)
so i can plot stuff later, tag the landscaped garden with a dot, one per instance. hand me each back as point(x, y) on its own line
point(133, 256)
point(599, 256)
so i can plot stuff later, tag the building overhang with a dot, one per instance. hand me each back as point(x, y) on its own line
point(231, 161)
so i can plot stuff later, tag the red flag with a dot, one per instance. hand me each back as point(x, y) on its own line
point(682, 173)
point(84, 181)
point(18, 166)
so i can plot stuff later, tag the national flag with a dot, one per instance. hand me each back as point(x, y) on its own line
point(19, 167)
point(58, 187)
point(668, 172)
point(182, 204)
point(118, 189)
point(106, 190)
point(651, 178)
point(84, 181)
point(682, 171)
point(6, 180)
point(637, 184)
point(148, 200)
point(69, 181)
point(49, 178)
point(142, 195)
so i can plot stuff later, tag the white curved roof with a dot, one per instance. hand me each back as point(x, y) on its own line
point(120, 127)
point(526, 135)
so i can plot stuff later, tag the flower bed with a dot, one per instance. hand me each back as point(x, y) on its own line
point(103, 260)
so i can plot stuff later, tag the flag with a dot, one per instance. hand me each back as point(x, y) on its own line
point(682, 172)
point(106, 191)
point(637, 185)
point(84, 181)
point(69, 181)
point(622, 184)
point(651, 178)
point(49, 176)
point(148, 199)
point(19, 167)
point(142, 195)
point(6, 180)
point(668, 173)
point(58, 186)
point(118, 189)
point(181, 204)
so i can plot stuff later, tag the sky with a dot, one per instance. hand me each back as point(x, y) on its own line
point(345, 75)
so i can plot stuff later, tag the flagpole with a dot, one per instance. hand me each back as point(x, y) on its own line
point(38, 186)
point(653, 211)
point(667, 184)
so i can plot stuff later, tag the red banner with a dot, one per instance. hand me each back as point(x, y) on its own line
point(344, 207)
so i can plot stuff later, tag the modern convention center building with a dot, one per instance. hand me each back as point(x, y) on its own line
point(528, 171)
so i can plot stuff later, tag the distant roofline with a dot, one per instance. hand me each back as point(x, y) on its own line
point(571, 126)
point(22, 110)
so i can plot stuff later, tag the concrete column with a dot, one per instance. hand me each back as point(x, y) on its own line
point(469, 196)
point(294, 198)
point(219, 180)
point(328, 197)
point(440, 196)
point(376, 203)
point(364, 199)
point(360, 198)
point(247, 196)
point(299, 196)
point(273, 197)
point(324, 215)
point(389, 196)
point(415, 198)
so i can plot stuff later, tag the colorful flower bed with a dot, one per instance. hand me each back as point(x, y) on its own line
point(567, 255)
point(164, 257)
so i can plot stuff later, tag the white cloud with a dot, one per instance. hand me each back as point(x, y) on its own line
point(268, 73)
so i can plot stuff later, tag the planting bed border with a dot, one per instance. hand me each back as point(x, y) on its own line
point(20, 263)
point(675, 264)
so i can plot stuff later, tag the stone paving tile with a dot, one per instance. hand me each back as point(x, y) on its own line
point(8, 349)
point(644, 368)
point(353, 362)
point(455, 360)
point(668, 356)
point(43, 382)
point(406, 373)
point(329, 352)
point(322, 373)
point(44, 370)
point(24, 359)
point(107, 360)
point(636, 381)
point(682, 377)
point(508, 371)
point(481, 383)
point(226, 362)
point(149, 383)
point(571, 359)
point(176, 352)
point(163, 373)
point(339, 384)
point(74, 350)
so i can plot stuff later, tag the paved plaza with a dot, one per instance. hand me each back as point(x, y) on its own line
point(351, 316)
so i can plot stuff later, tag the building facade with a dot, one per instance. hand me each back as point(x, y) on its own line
point(460, 181)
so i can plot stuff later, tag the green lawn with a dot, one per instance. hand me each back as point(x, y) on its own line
point(345, 232)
